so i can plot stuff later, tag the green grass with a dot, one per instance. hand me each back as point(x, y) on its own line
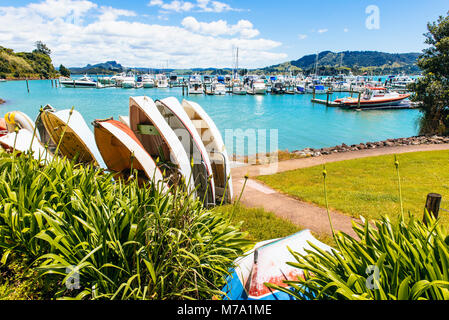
point(264, 225)
point(369, 186)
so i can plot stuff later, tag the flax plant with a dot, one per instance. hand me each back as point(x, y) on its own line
point(408, 260)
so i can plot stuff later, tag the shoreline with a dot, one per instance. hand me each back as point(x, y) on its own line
point(283, 155)
point(2, 101)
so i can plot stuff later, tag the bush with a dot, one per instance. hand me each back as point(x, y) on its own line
point(121, 240)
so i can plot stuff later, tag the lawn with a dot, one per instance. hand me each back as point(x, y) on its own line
point(369, 186)
point(264, 225)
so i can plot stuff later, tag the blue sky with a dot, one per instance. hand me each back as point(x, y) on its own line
point(202, 33)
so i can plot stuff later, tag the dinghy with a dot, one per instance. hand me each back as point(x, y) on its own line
point(267, 263)
point(122, 151)
point(24, 142)
point(158, 138)
point(124, 120)
point(179, 121)
point(213, 141)
point(77, 139)
point(21, 120)
point(43, 133)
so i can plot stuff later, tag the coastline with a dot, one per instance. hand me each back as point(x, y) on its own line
point(283, 155)
point(2, 101)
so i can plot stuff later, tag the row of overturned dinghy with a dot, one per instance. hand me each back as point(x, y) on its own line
point(165, 141)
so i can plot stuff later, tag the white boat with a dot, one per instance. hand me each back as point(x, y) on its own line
point(238, 88)
point(84, 82)
point(69, 129)
point(158, 139)
point(195, 85)
point(213, 141)
point(129, 81)
point(173, 79)
point(374, 97)
point(2, 80)
point(218, 88)
point(179, 121)
point(148, 81)
point(24, 142)
point(256, 86)
point(161, 81)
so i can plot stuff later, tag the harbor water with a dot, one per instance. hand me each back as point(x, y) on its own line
point(300, 123)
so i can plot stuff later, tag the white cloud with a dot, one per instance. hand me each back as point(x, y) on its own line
point(322, 31)
point(302, 36)
point(346, 30)
point(108, 33)
point(199, 5)
point(220, 28)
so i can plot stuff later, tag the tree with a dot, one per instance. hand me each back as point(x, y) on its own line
point(64, 71)
point(432, 90)
point(42, 48)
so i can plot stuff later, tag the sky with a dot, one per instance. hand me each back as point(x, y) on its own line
point(205, 33)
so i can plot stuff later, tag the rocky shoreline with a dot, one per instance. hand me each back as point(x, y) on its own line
point(2, 101)
point(416, 140)
point(283, 155)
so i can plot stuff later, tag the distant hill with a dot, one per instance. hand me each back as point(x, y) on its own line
point(357, 61)
point(329, 63)
point(108, 67)
point(21, 65)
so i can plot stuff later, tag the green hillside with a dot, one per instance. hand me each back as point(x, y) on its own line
point(21, 65)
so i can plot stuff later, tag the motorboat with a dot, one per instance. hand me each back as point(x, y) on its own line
point(84, 82)
point(161, 81)
point(173, 79)
point(148, 81)
point(374, 97)
point(278, 87)
point(256, 86)
point(195, 85)
point(218, 88)
point(238, 88)
point(129, 81)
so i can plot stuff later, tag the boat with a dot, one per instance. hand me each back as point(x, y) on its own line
point(179, 121)
point(21, 120)
point(195, 85)
point(124, 120)
point(161, 81)
point(238, 88)
point(68, 129)
point(267, 263)
point(43, 133)
point(160, 141)
point(148, 81)
point(84, 82)
point(278, 87)
point(315, 87)
point(373, 97)
point(24, 142)
point(122, 151)
point(213, 141)
point(2, 80)
point(255, 85)
point(129, 81)
point(173, 79)
point(218, 88)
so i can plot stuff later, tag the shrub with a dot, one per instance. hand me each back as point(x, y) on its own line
point(121, 240)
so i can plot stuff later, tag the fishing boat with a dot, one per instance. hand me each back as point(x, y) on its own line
point(160, 141)
point(373, 97)
point(68, 129)
point(213, 142)
point(267, 263)
point(84, 82)
point(179, 121)
point(122, 151)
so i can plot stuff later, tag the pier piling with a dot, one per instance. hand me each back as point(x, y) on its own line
point(28, 87)
point(433, 205)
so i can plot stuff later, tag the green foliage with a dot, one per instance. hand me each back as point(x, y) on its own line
point(25, 64)
point(404, 261)
point(42, 48)
point(433, 89)
point(64, 71)
point(124, 240)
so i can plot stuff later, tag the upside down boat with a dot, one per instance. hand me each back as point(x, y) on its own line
point(374, 97)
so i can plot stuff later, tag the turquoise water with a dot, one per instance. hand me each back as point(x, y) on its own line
point(300, 123)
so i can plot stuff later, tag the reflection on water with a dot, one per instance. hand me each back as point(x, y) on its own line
point(300, 123)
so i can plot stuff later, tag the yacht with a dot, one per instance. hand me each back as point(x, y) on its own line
point(238, 88)
point(148, 81)
point(255, 85)
point(218, 88)
point(84, 82)
point(173, 79)
point(374, 97)
point(129, 81)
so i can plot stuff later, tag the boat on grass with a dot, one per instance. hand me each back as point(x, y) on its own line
point(213, 141)
point(267, 263)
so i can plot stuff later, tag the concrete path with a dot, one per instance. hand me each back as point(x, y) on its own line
point(304, 214)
